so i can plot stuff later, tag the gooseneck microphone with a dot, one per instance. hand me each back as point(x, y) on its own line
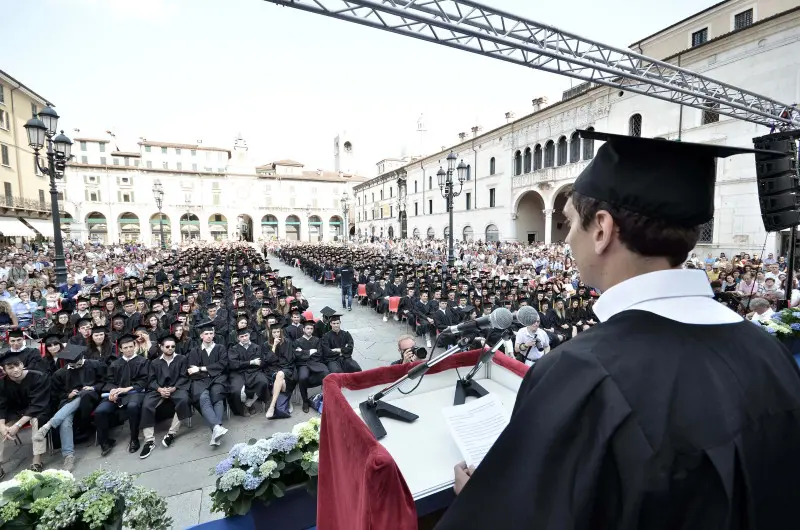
point(500, 318)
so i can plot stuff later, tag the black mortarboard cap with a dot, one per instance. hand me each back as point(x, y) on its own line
point(119, 316)
point(99, 329)
point(327, 311)
point(126, 339)
point(205, 326)
point(63, 312)
point(171, 337)
point(53, 338)
point(72, 353)
point(335, 317)
point(660, 179)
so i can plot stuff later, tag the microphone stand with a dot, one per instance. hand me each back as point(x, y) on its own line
point(466, 387)
point(373, 409)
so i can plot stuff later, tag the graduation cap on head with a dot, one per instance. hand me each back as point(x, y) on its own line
point(242, 331)
point(141, 327)
point(52, 338)
point(119, 316)
point(126, 339)
point(98, 329)
point(205, 326)
point(63, 312)
point(72, 353)
point(336, 317)
point(660, 179)
point(327, 312)
point(82, 321)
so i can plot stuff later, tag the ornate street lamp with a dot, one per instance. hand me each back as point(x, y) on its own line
point(158, 194)
point(41, 132)
point(446, 186)
point(345, 201)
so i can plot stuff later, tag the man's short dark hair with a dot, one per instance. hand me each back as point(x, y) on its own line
point(640, 234)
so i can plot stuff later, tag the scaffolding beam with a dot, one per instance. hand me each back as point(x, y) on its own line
point(480, 29)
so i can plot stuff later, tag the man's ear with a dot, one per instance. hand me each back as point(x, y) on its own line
point(603, 231)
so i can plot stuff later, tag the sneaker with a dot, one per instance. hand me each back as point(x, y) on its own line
point(168, 440)
point(218, 432)
point(385, 319)
point(37, 467)
point(69, 463)
point(106, 448)
point(306, 406)
point(428, 343)
point(41, 434)
point(149, 445)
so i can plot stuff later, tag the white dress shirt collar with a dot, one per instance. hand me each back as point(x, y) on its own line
point(683, 295)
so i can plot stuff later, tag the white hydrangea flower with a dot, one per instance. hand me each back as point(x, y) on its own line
point(315, 457)
point(64, 476)
point(267, 468)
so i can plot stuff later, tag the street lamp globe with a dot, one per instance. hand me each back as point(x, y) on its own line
point(451, 161)
point(63, 145)
point(50, 119)
point(462, 172)
point(37, 131)
point(440, 176)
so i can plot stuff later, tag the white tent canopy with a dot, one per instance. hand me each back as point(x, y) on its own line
point(11, 226)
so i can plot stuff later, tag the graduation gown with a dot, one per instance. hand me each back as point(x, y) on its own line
point(215, 378)
point(342, 340)
point(122, 374)
point(163, 375)
point(239, 359)
point(304, 357)
point(29, 397)
point(650, 424)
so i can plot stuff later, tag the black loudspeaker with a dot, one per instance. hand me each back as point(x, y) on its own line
point(778, 181)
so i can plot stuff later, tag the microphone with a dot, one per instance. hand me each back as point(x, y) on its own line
point(500, 318)
point(526, 315)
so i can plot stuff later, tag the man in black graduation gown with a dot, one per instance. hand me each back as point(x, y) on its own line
point(168, 381)
point(337, 348)
point(246, 365)
point(24, 398)
point(308, 360)
point(31, 357)
point(123, 393)
point(672, 412)
point(208, 367)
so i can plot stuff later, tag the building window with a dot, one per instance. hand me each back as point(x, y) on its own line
point(83, 145)
point(180, 166)
point(177, 150)
point(61, 196)
point(194, 167)
point(3, 119)
point(492, 166)
point(149, 164)
point(84, 159)
point(537, 157)
point(391, 211)
point(391, 192)
point(574, 148)
point(635, 125)
point(492, 202)
point(136, 162)
point(699, 37)
point(706, 233)
point(710, 114)
point(127, 161)
point(549, 154)
point(430, 183)
point(7, 190)
point(373, 196)
point(102, 161)
point(415, 186)
point(115, 160)
point(469, 172)
point(165, 165)
point(102, 147)
point(562, 150)
point(381, 194)
point(416, 208)
point(526, 162)
point(2, 95)
point(194, 152)
point(34, 110)
point(147, 149)
point(41, 197)
point(215, 198)
point(430, 206)
point(588, 146)
point(743, 19)
point(4, 158)
point(94, 196)
point(469, 201)
point(126, 197)
point(492, 234)
point(517, 163)
point(163, 150)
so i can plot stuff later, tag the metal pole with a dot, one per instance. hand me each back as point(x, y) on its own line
point(450, 258)
point(61, 267)
point(161, 228)
point(791, 267)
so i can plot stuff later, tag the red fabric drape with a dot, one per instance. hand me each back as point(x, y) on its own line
point(360, 485)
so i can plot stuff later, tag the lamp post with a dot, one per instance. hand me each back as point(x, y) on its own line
point(446, 186)
point(41, 132)
point(345, 200)
point(308, 220)
point(158, 194)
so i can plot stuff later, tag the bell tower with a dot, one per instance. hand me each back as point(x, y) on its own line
point(345, 152)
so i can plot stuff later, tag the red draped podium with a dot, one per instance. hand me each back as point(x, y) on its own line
point(360, 485)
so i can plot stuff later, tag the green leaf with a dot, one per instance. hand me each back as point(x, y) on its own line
point(277, 490)
point(262, 489)
point(296, 454)
point(281, 466)
point(242, 505)
point(233, 494)
point(275, 474)
point(12, 492)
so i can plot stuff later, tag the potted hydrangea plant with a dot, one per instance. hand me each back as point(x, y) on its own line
point(267, 469)
point(104, 500)
point(785, 325)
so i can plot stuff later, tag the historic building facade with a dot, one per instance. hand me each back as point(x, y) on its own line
point(518, 173)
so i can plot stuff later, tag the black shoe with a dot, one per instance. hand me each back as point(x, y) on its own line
point(107, 447)
point(168, 440)
point(147, 449)
point(306, 406)
point(134, 445)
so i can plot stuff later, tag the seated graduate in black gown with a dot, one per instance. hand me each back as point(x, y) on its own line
point(672, 412)
point(308, 360)
point(168, 380)
point(337, 348)
point(31, 357)
point(123, 394)
point(208, 373)
point(280, 369)
point(246, 369)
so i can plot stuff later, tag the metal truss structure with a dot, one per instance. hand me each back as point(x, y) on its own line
point(476, 28)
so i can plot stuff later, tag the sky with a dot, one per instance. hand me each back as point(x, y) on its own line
point(287, 80)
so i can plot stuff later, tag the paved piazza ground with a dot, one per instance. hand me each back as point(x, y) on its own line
point(182, 473)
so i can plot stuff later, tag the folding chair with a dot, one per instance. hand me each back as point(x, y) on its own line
point(394, 304)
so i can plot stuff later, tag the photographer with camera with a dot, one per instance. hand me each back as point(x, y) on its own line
point(409, 352)
point(531, 342)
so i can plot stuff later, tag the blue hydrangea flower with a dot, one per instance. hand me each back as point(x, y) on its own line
point(252, 456)
point(234, 452)
point(795, 326)
point(777, 317)
point(224, 466)
point(796, 314)
point(284, 442)
point(252, 482)
point(771, 331)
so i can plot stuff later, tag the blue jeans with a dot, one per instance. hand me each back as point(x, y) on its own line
point(63, 421)
point(212, 412)
point(347, 293)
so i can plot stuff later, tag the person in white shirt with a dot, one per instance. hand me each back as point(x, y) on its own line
point(762, 311)
point(531, 342)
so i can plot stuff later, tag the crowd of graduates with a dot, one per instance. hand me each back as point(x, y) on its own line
point(209, 328)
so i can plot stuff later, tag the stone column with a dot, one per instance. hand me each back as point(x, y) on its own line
point(548, 225)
